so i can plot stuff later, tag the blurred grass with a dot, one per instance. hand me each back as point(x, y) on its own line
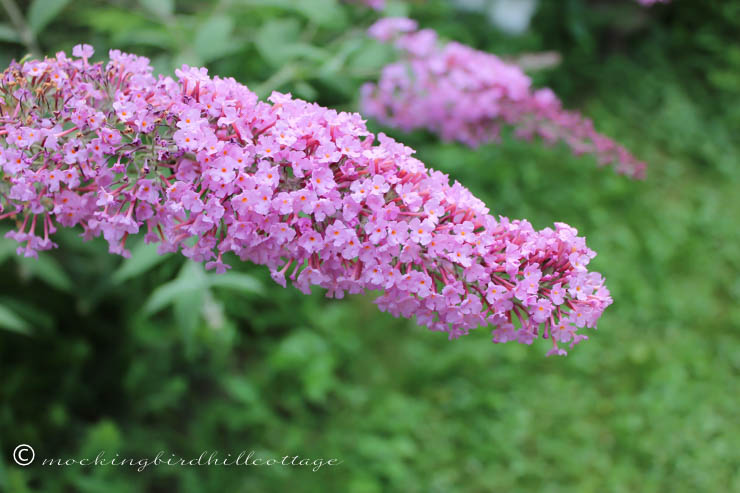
point(648, 404)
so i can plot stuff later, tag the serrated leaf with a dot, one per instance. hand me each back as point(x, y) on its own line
point(143, 257)
point(42, 12)
point(161, 8)
point(235, 280)
point(9, 320)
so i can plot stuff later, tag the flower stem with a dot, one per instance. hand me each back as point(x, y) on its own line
point(24, 31)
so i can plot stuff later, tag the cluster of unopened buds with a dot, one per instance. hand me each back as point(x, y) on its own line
point(201, 166)
point(467, 95)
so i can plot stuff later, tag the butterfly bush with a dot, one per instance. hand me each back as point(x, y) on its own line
point(201, 166)
point(468, 95)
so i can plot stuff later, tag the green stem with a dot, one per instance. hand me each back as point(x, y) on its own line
point(19, 22)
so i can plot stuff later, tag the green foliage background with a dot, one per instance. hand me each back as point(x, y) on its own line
point(98, 353)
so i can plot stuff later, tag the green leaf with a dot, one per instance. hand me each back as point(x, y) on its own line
point(374, 56)
point(189, 282)
point(187, 56)
point(397, 9)
point(166, 294)
point(306, 91)
point(322, 12)
point(143, 257)
point(277, 41)
point(48, 270)
point(241, 389)
point(42, 12)
point(145, 36)
point(274, 36)
point(347, 50)
point(187, 310)
point(31, 313)
point(7, 247)
point(163, 64)
point(213, 38)
point(161, 8)
point(236, 281)
point(7, 33)
point(117, 22)
point(326, 13)
point(11, 321)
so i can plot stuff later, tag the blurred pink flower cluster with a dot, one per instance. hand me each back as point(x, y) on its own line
point(651, 2)
point(202, 167)
point(373, 4)
point(468, 95)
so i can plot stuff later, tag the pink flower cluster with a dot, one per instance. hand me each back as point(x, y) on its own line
point(205, 168)
point(468, 95)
